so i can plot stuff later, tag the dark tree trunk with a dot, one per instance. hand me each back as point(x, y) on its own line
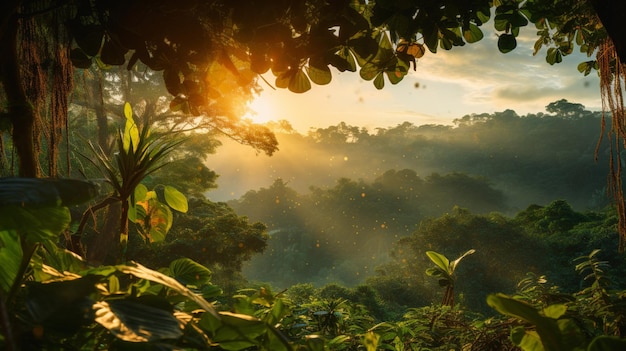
point(611, 14)
point(20, 111)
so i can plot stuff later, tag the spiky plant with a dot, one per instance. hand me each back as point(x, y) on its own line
point(139, 154)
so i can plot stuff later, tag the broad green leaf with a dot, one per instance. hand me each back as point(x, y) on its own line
point(587, 66)
point(431, 36)
point(319, 75)
point(36, 192)
point(506, 43)
point(555, 311)
point(62, 305)
point(190, 272)
point(554, 56)
point(35, 224)
point(439, 260)
point(136, 322)
point(175, 199)
point(547, 328)
point(398, 72)
point(527, 340)
point(210, 291)
point(160, 221)
point(114, 284)
point(473, 33)
point(10, 257)
point(56, 258)
point(518, 20)
point(140, 271)
point(283, 79)
point(299, 82)
point(277, 341)
point(233, 331)
point(141, 191)
point(369, 71)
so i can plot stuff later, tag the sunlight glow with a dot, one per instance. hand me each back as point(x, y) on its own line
point(261, 110)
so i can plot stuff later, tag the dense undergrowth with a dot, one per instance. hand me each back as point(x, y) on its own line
point(55, 301)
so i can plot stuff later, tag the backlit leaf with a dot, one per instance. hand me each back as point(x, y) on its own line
point(175, 199)
point(299, 82)
point(190, 272)
point(131, 132)
point(319, 76)
point(136, 322)
point(10, 255)
point(379, 81)
point(472, 34)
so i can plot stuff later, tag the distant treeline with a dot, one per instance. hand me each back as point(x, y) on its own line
point(534, 158)
point(384, 184)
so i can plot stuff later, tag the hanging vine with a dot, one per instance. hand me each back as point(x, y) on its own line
point(47, 77)
point(612, 79)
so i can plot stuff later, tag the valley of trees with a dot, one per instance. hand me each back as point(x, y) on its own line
point(342, 233)
point(109, 110)
point(554, 158)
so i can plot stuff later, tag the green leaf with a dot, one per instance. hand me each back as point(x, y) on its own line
point(36, 192)
point(472, 34)
point(54, 257)
point(35, 224)
point(160, 221)
point(518, 20)
point(555, 311)
point(63, 305)
point(547, 328)
point(455, 263)
point(141, 191)
point(233, 331)
point(379, 81)
point(136, 322)
point(140, 271)
point(131, 132)
point(190, 272)
point(369, 71)
point(10, 257)
point(299, 82)
point(506, 43)
point(319, 75)
point(527, 340)
point(396, 75)
point(439, 260)
point(175, 199)
point(554, 56)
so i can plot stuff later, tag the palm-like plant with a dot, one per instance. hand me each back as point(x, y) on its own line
point(140, 153)
point(444, 272)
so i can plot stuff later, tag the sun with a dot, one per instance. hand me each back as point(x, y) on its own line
point(261, 110)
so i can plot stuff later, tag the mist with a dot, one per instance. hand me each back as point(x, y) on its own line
point(337, 199)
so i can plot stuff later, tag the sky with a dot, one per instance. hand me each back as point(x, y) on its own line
point(475, 78)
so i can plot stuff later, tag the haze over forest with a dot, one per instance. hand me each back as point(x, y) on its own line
point(336, 199)
point(529, 159)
